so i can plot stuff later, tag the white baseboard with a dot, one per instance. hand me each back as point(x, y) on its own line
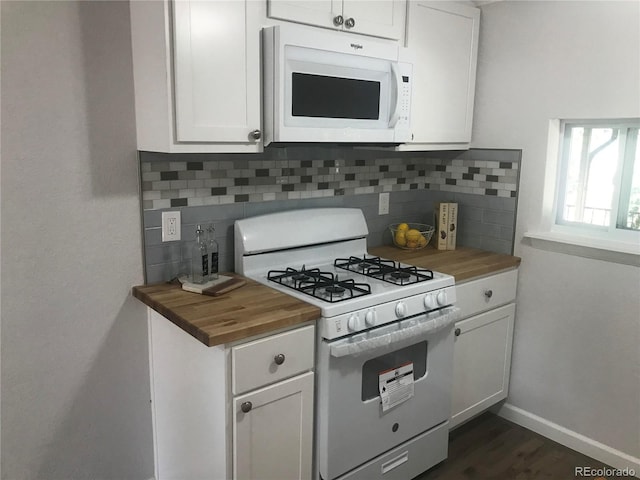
point(569, 438)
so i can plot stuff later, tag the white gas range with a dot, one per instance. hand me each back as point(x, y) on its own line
point(378, 316)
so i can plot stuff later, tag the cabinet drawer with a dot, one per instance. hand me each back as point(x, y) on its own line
point(256, 363)
point(486, 293)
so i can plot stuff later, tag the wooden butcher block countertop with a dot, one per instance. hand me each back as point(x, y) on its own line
point(464, 263)
point(250, 310)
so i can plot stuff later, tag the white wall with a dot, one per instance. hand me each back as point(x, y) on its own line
point(576, 354)
point(75, 391)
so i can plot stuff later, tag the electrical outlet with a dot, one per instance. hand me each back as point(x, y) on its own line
point(170, 226)
point(383, 203)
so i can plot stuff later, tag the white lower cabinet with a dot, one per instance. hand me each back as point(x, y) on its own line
point(200, 427)
point(273, 431)
point(273, 418)
point(483, 340)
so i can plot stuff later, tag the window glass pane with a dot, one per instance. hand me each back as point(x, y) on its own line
point(592, 163)
point(633, 210)
point(573, 174)
point(603, 156)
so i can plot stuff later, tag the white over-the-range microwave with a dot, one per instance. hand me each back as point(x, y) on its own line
point(334, 87)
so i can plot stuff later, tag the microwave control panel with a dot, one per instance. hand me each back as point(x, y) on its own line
point(403, 127)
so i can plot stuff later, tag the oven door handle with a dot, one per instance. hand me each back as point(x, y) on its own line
point(428, 323)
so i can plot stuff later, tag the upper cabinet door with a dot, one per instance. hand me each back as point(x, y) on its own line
point(381, 18)
point(216, 46)
point(320, 13)
point(442, 42)
point(378, 18)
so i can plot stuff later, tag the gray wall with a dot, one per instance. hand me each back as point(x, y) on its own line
point(75, 385)
point(482, 181)
point(575, 353)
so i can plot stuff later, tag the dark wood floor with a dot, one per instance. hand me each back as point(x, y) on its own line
point(492, 448)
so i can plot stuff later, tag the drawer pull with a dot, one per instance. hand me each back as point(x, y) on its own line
point(246, 407)
point(279, 359)
point(457, 332)
point(488, 293)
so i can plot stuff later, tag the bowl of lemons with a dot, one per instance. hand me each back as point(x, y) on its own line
point(411, 236)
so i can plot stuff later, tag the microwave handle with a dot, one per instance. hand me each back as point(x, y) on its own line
point(396, 102)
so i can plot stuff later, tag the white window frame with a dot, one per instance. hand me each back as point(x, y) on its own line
point(603, 243)
point(611, 231)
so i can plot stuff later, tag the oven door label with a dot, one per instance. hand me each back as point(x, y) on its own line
point(396, 385)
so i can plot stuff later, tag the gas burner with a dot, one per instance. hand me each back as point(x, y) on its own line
point(386, 270)
point(303, 274)
point(322, 285)
point(293, 277)
point(400, 275)
point(334, 290)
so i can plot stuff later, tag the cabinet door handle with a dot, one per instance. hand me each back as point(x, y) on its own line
point(279, 359)
point(246, 407)
point(349, 23)
point(338, 20)
point(457, 332)
point(488, 293)
point(256, 134)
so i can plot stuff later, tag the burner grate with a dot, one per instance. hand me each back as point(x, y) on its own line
point(382, 269)
point(321, 285)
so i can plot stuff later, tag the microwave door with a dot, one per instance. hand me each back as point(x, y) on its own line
point(336, 96)
point(324, 96)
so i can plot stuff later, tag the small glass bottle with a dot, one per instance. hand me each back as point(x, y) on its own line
point(199, 258)
point(212, 248)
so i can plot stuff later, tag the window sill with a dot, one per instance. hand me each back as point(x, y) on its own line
point(598, 249)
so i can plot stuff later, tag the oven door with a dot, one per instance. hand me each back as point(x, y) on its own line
point(352, 425)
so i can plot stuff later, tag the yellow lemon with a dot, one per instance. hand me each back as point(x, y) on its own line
point(413, 235)
point(403, 227)
point(422, 242)
point(400, 238)
point(412, 244)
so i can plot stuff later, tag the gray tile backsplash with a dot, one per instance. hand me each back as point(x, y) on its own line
point(233, 186)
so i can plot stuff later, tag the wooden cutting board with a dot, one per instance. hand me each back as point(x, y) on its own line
point(220, 286)
point(224, 287)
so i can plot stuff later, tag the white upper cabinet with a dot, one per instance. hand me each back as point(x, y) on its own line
point(379, 18)
point(442, 44)
point(197, 75)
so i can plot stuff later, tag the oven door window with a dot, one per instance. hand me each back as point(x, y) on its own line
point(334, 97)
point(416, 353)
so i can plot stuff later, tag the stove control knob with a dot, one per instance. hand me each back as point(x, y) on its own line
point(430, 302)
point(401, 309)
point(370, 318)
point(352, 322)
point(442, 297)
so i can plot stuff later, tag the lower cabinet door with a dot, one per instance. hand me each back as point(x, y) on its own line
point(482, 362)
point(273, 431)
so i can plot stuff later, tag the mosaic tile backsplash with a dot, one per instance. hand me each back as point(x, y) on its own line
point(222, 188)
point(295, 173)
